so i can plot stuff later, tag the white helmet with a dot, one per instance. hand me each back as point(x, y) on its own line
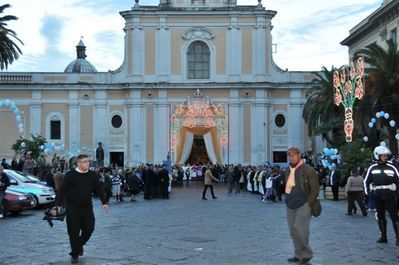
point(381, 150)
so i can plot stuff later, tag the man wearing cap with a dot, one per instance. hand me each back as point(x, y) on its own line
point(302, 190)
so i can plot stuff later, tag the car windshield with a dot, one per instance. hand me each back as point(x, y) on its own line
point(29, 177)
point(18, 177)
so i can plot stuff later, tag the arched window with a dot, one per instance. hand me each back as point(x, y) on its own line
point(198, 60)
point(55, 126)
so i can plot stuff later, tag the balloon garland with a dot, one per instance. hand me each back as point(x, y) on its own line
point(373, 121)
point(348, 86)
point(10, 104)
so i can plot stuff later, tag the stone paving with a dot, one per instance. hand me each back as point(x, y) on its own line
point(234, 229)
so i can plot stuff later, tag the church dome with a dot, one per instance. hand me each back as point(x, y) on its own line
point(80, 64)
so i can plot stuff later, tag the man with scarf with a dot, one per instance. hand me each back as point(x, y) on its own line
point(302, 190)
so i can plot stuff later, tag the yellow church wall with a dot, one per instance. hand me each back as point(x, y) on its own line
point(149, 61)
point(246, 48)
point(86, 126)
point(176, 44)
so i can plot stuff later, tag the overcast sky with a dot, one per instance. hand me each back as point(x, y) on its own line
point(307, 33)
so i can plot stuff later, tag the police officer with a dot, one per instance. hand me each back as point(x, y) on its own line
point(382, 177)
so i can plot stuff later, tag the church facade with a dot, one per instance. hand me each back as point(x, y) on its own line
point(192, 70)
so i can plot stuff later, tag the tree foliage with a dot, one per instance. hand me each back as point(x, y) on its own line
point(9, 50)
point(25, 146)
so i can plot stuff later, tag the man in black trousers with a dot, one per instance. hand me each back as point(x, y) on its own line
point(76, 195)
point(334, 181)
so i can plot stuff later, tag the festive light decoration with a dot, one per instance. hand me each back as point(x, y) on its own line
point(348, 85)
point(196, 112)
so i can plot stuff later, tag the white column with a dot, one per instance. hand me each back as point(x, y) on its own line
point(137, 129)
point(100, 123)
point(235, 145)
point(138, 52)
point(295, 123)
point(234, 51)
point(258, 49)
point(161, 132)
point(162, 56)
point(74, 119)
point(35, 121)
point(258, 122)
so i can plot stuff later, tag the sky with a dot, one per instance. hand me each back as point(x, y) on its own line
point(307, 33)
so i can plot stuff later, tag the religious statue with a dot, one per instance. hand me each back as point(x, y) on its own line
point(100, 154)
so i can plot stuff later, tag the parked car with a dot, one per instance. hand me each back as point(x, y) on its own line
point(42, 194)
point(32, 178)
point(15, 202)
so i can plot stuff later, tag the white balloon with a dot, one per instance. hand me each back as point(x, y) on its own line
point(386, 116)
point(23, 144)
point(392, 123)
point(377, 115)
point(371, 124)
point(21, 130)
point(365, 138)
point(383, 143)
point(397, 136)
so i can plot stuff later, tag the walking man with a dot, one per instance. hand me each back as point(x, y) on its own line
point(298, 178)
point(383, 178)
point(76, 195)
point(208, 183)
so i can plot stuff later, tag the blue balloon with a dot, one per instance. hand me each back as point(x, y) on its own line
point(325, 150)
point(373, 120)
point(382, 113)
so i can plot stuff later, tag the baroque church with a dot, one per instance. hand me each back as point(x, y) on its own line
point(197, 84)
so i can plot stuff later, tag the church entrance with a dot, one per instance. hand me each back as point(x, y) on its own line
point(198, 153)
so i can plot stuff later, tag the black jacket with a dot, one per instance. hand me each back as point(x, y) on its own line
point(381, 174)
point(4, 182)
point(77, 189)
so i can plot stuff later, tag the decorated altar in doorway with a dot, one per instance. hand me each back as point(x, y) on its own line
point(198, 117)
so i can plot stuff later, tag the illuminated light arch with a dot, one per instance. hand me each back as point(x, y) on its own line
point(198, 115)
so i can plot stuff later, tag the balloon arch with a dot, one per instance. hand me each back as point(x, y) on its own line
point(11, 105)
point(198, 116)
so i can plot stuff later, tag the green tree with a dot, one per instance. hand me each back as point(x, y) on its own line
point(320, 114)
point(9, 50)
point(354, 154)
point(24, 146)
point(382, 84)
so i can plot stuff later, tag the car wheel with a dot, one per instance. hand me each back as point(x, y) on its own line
point(15, 212)
point(36, 201)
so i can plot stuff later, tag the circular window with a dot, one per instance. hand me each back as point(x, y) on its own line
point(116, 121)
point(280, 120)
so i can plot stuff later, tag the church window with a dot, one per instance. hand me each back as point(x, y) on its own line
point(55, 129)
point(279, 120)
point(116, 121)
point(198, 59)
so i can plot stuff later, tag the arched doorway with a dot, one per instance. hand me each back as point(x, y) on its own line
point(198, 118)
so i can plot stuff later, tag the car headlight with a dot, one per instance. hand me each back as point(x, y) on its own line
point(21, 198)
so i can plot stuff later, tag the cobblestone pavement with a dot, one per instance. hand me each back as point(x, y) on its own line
point(234, 229)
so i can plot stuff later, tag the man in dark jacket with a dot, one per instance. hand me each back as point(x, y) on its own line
point(4, 183)
point(302, 190)
point(76, 194)
point(164, 182)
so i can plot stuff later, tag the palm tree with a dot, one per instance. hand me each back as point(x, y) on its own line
point(382, 84)
point(9, 50)
point(320, 114)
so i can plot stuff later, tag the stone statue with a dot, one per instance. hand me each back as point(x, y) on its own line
point(100, 154)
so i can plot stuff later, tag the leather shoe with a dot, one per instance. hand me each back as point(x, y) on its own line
point(75, 259)
point(305, 261)
point(293, 259)
point(214, 198)
point(204, 198)
point(81, 252)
